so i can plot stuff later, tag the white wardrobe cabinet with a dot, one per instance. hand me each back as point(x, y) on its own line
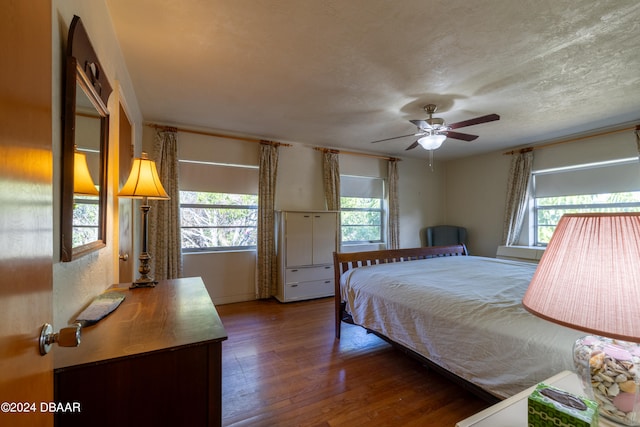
point(306, 242)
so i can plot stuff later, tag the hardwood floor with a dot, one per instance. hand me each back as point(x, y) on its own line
point(282, 366)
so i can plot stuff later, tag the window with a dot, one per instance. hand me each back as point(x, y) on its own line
point(550, 209)
point(218, 204)
point(218, 221)
point(361, 219)
point(86, 212)
point(362, 209)
point(611, 186)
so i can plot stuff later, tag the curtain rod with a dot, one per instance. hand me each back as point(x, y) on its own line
point(566, 141)
point(218, 135)
point(240, 138)
point(355, 153)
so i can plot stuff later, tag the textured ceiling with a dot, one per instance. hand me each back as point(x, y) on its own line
point(342, 73)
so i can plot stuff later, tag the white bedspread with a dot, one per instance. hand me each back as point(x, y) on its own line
point(466, 315)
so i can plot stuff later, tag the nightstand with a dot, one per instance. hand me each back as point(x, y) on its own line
point(512, 412)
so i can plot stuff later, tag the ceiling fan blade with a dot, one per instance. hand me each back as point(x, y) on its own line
point(462, 136)
point(412, 146)
point(476, 121)
point(395, 137)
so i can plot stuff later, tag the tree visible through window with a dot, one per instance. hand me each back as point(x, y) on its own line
point(361, 219)
point(218, 221)
point(85, 220)
point(548, 210)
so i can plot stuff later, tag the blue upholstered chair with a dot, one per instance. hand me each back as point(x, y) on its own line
point(443, 235)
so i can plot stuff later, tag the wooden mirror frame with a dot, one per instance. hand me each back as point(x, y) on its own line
point(83, 70)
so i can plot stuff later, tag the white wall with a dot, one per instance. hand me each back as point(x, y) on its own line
point(422, 199)
point(77, 282)
point(475, 189)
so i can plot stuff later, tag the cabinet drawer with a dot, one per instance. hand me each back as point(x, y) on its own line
point(304, 274)
point(306, 290)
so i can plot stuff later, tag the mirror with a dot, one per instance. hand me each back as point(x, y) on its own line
point(84, 150)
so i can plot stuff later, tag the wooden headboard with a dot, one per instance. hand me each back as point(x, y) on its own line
point(343, 261)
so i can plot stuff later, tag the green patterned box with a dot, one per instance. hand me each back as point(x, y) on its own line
point(550, 406)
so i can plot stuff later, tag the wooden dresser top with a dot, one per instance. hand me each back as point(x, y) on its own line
point(175, 313)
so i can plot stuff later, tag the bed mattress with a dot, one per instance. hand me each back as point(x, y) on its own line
point(466, 315)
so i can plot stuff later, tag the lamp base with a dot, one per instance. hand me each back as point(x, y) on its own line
point(610, 373)
point(144, 282)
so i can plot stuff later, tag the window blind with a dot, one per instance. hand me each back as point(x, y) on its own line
point(216, 178)
point(361, 186)
point(593, 180)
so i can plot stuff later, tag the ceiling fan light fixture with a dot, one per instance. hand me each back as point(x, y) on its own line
point(432, 141)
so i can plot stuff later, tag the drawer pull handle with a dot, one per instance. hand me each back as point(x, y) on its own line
point(294, 286)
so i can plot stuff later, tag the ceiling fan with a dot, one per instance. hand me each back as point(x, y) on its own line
point(433, 131)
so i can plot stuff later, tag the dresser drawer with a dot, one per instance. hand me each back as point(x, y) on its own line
point(306, 290)
point(304, 274)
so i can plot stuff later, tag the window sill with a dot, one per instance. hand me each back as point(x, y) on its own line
point(359, 247)
point(520, 253)
point(218, 251)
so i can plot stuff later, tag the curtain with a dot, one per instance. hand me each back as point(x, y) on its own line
point(266, 268)
point(394, 215)
point(164, 216)
point(331, 179)
point(518, 190)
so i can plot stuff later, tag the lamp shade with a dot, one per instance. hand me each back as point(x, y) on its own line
point(432, 141)
point(143, 181)
point(82, 182)
point(589, 276)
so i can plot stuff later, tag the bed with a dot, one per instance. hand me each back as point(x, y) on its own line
point(460, 314)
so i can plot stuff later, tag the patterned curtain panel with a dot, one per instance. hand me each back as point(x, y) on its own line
point(331, 179)
point(394, 215)
point(266, 269)
point(517, 197)
point(164, 216)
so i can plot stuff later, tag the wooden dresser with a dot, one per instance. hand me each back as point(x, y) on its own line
point(156, 360)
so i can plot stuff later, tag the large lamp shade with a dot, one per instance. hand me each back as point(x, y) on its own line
point(589, 275)
point(143, 181)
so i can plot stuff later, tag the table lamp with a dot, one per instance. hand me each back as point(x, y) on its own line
point(144, 183)
point(589, 279)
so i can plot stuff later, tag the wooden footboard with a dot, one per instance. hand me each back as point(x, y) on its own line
point(343, 261)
